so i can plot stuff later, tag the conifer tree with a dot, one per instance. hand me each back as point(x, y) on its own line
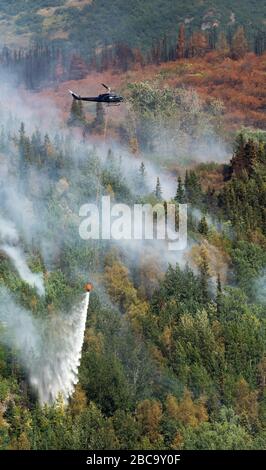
point(192, 187)
point(24, 152)
point(198, 44)
point(251, 149)
point(110, 162)
point(219, 294)
point(142, 170)
point(164, 49)
point(237, 162)
point(22, 135)
point(77, 116)
point(204, 273)
point(141, 179)
point(222, 44)
point(245, 157)
point(158, 190)
point(260, 42)
point(99, 121)
point(181, 42)
point(239, 44)
point(203, 226)
point(180, 192)
point(213, 38)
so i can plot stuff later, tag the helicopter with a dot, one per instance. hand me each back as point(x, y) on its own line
point(109, 98)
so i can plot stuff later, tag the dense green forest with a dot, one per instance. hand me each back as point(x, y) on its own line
point(174, 352)
point(87, 24)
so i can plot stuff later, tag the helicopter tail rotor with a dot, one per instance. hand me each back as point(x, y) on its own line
point(74, 95)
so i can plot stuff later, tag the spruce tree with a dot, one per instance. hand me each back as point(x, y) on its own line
point(213, 38)
point(99, 121)
point(180, 192)
point(158, 189)
point(141, 179)
point(110, 162)
point(222, 45)
point(142, 170)
point(251, 150)
point(204, 274)
point(181, 42)
point(77, 116)
point(239, 44)
point(245, 157)
point(24, 153)
point(142, 174)
point(238, 160)
point(192, 188)
point(203, 226)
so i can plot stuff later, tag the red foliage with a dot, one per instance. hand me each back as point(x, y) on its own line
point(78, 68)
point(240, 84)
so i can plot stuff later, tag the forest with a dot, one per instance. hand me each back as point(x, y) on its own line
point(84, 25)
point(168, 350)
point(44, 63)
point(174, 352)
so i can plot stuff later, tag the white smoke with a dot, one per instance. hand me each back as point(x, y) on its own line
point(153, 171)
point(17, 257)
point(50, 349)
point(8, 232)
point(21, 330)
point(9, 235)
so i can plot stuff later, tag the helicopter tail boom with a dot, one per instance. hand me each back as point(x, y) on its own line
point(83, 98)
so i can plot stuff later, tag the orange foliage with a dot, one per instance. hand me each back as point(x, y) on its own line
point(78, 400)
point(178, 442)
point(240, 84)
point(246, 402)
point(187, 412)
point(149, 415)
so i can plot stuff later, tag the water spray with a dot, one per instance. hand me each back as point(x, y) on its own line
point(56, 373)
point(50, 349)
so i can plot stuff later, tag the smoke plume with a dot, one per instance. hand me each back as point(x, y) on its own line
point(9, 235)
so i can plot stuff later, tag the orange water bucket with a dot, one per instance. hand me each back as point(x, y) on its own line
point(88, 287)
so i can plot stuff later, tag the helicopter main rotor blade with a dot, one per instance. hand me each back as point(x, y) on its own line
point(107, 87)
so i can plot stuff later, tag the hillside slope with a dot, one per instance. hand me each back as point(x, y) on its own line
point(87, 23)
point(239, 85)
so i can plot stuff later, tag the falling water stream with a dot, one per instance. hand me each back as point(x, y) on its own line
point(50, 349)
point(55, 372)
